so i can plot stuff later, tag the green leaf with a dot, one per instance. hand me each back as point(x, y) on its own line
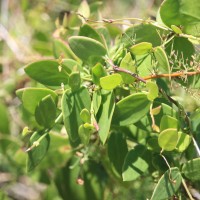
point(141, 48)
point(183, 13)
point(45, 112)
point(129, 64)
point(117, 150)
point(168, 139)
point(72, 105)
point(134, 164)
point(176, 29)
point(105, 113)
point(183, 141)
point(5, 121)
point(153, 90)
point(142, 33)
point(84, 9)
point(110, 82)
point(38, 152)
point(85, 131)
point(144, 64)
point(32, 96)
point(47, 72)
point(191, 168)
point(96, 100)
point(182, 48)
point(168, 122)
point(168, 184)
point(131, 109)
point(85, 116)
point(87, 49)
point(98, 71)
point(152, 144)
point(71, 66)
point(161, 57)
point(89, 32)
point(60, 48)
point(74, 81)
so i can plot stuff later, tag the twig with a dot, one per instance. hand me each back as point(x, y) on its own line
point(187, 190)
point(176, 74)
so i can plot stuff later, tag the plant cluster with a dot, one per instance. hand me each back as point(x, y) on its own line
point(110, 87)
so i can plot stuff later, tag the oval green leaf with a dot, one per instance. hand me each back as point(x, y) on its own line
point(191, 169)
point(129, 64)
point(32, 96)
point(153, 90)
point(47, 72)
point(45, 112)
point(141, 48)
point(110, 82)
point(168, 122)
point(168, 139)
point(168, 184)
point(161, 57)
point(183, 13)
point(131, 109)
point(134, 164)
point(37, 153)
point(74, 81)
point(117, 150)
point(183, 141)
point(86, 48)
point(105, 114)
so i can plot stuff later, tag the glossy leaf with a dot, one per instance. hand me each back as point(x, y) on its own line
point(131, 109)
point(191, 168)
point(168, 139)
point(161, 57)
point(45, 112)
point(110, 82)
point(32, 96)
point(74, 81)
point(72, 105)
point(98, 71)
point(168, 184)
point(38, 152)
point(134, 164)
point(183, 13)
point(117, 150)
point(129, 64)
point(70, 66)
point(168, 122)
point(87, 49)
point(105, 113)
point(141, 48)
point(47, 72)
point(153, 90)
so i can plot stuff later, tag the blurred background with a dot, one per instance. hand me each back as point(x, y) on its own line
point(26, 34)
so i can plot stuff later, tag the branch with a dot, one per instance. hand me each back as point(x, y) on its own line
point(176, 74)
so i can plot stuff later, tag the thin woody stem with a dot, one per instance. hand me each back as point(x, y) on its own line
point(176, 74)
